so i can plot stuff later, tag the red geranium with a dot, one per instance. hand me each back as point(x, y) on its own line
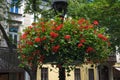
point(95, 22)
point(43, 29)
point(29, 42)
point(82, 40)
point(89, 49)
point(24, 36)
point(59, 27)
point(101, 36)
point(80, 45)
point(67, 37)
point(53, 34)
point(37, 39)
point(81, 21)
point(55, 48)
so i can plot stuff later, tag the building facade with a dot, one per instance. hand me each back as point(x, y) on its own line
point(10, 22)
point(82, 72)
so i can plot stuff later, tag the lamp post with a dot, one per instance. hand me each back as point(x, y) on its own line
point(60, 8)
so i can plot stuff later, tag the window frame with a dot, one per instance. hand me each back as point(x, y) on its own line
point(77, 74)
point(14, 9)
point(44, 74)
point(91, 74)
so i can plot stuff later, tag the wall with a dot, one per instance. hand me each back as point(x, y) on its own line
point(53, 72)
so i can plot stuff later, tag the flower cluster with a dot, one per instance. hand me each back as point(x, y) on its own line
point(67, 42)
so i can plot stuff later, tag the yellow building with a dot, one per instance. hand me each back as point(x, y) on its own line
point(83, 72)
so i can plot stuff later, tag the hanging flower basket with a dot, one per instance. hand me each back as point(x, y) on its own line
point(67, 43)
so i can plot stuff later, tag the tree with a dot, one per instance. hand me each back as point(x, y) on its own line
point(107, 13)
point(3, 11)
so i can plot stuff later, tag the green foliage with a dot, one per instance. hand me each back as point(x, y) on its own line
point(107, 13)
point(3, 9)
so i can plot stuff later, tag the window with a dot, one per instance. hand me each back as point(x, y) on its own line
point(13, 34)
point(77, 74)
point(44, 74)
point(91, 74)
point(14, 9)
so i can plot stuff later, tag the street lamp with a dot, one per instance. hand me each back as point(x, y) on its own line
point(60, 6)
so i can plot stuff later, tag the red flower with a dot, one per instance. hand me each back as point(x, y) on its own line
point(82, 40)
point(67, 37)
point(37, 40)
point(90, 26)
point(29, 42)
point(89, 49)
point(43, 29)
point(55, 48)
point(53, 34)
point(102, 37)
point(81, 21)
point(95, 22)
point(24, 36)
point(59, 27)
point(80, 45)
point(86, 27)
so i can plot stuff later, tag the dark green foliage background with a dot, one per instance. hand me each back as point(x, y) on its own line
point(107, 12)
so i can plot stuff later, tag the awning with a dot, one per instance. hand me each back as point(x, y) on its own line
point(118, 69)
point(117, 66)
